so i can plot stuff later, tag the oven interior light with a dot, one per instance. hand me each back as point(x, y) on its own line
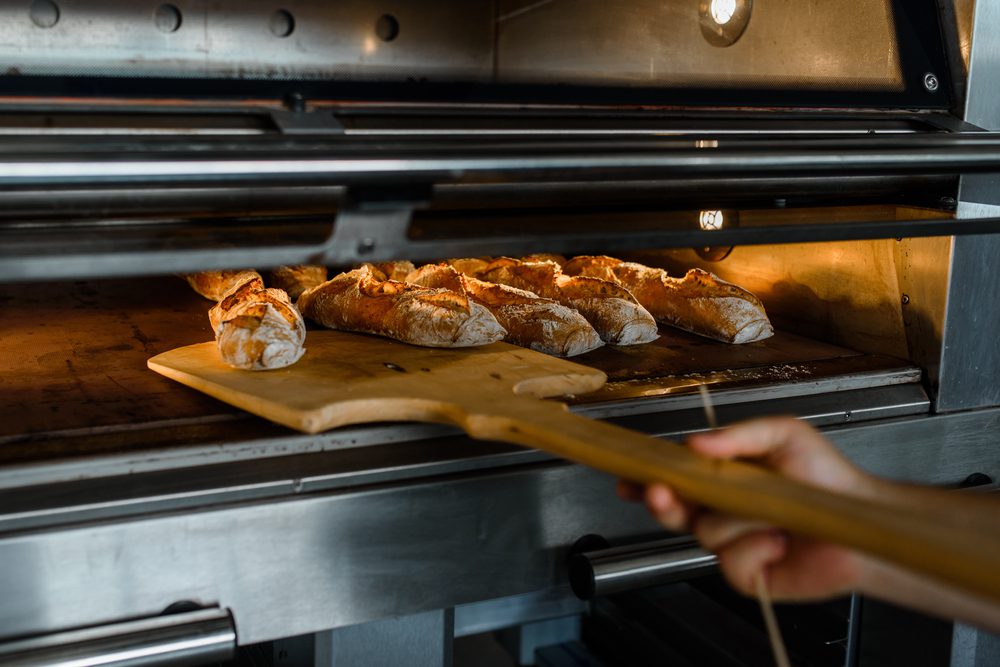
point(711, 220)
point(722, 11)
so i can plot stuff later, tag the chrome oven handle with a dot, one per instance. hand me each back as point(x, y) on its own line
point(614, 570)
point(190, 638)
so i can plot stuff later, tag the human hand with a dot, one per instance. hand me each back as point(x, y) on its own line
point(796, 567)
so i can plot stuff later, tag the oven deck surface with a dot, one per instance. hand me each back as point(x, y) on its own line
point(76, 383)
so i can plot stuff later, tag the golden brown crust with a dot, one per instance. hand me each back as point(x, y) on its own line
point(257, 328)
point(616, 315)
point(470, 266)
point(530, 321)
point(214, 285)
point(545, 257)
point(396, 270)
point(297, 279)
point(360, 300)
point(699, 302)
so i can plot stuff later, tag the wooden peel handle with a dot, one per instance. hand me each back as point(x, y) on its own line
point(925, 542)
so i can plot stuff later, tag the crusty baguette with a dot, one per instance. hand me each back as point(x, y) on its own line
point(610, 309)
point(214, 285)
point(360, 300)
point(257, 328)
point(531, 321)
point(297, 279)
point(699, 302)
point(395, 270)
point(470, 266)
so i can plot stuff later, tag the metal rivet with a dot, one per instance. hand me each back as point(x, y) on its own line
point(387, 28)
point(282, 23)
point(295, 102)
point(906, 299)
point(931, 82)
point(366, 246)
point(44, 13)
point(167, 18)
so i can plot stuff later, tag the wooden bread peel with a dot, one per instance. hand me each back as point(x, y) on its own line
point(493, 393)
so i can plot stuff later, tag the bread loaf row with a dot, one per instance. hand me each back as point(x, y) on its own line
point(699, 302)
point(543, 302)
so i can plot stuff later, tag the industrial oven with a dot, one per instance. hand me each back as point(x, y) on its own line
point(834, 157)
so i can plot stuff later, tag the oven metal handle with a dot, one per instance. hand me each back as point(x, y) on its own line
point(605, 571)
point(176, 640)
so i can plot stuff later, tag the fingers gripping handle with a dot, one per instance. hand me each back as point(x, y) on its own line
point(924, 542)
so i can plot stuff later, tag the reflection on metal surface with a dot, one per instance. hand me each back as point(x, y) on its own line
point(249, 39)
point(723, 22)
point(842, 44)
point(615, 570)
point(714, 253)
point(192, 638)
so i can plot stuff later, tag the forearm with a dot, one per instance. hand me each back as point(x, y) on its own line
point(890, 583)
point(894, 584)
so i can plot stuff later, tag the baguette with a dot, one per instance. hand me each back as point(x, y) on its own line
point(297, 279)
point(256, 328)
point(360, 300)
point(531, 321)
point(699, 302)
point(214, 285)
point(396, 270)
point(470, 266)
point(610, 309)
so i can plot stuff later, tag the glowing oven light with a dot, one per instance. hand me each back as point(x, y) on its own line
point(711, 221)
point(722, 11)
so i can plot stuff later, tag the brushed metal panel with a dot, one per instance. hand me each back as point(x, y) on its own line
point(970, 357)
point(984, 63)
point(325, 561)
point(943, 449)
point(840, 44)
point(230, 38)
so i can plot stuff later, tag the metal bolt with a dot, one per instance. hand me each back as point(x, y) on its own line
point(295, 102)
point(906, 299)
point(948, 203)
point(931, 82)
point(282, 23)
point(167, 18)
point(976, 479)
point(366, 246)
point(44, 13)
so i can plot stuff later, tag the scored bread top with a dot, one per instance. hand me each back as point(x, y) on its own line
point(360, 300)
point(214, 285)
point(396, 270)
point(530, 320)
point(699, 302)
point(297, 279)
